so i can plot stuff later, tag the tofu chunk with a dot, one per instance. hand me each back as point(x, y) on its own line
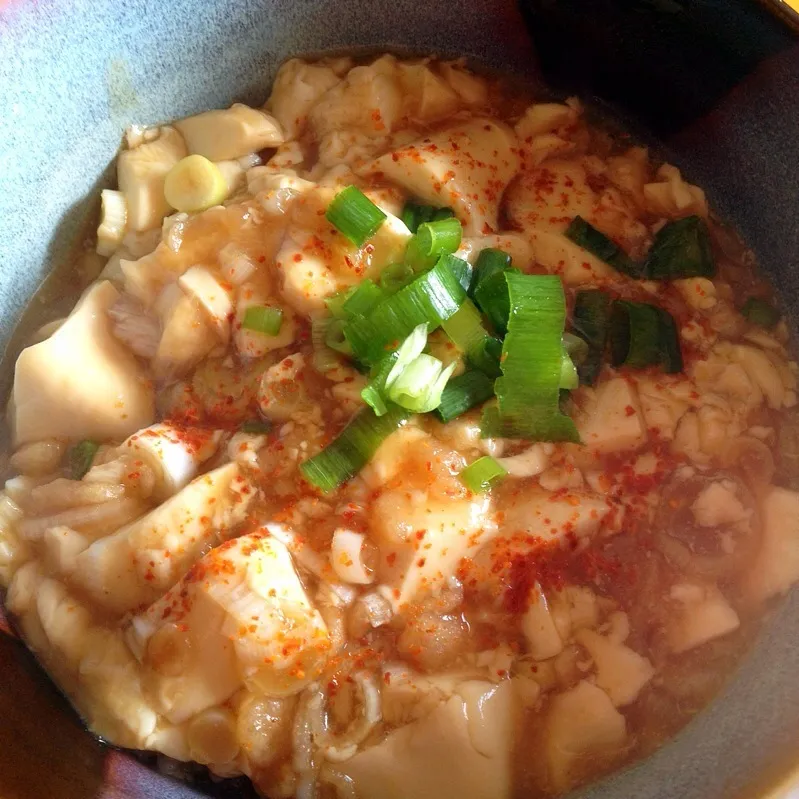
point(701, 614)
point(583, 732)
point(230, 133)
point(240, 616)
point(776, 566)
point(620, 672)
point(461, 750)
point(465, 167)
point(141, 173)
point(141, 560)
point(81, 382)
point(613, 422)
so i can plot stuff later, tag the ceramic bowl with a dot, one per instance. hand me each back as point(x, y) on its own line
point(716, 81)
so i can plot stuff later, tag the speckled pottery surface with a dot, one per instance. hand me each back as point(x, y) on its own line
point(75, 73)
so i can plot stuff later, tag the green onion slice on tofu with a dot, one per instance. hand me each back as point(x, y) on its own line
point(760, 312)
point(408, 377)
point(528, 393)
point(644, 335)
point(344, 457)
point(354, 215)
point(464, 392)
point(585, 235)
point(489, 288)
point(415, 214)
point(480, 475)
point(466, 329)
point(263, 319)
point(81, 457)
point(441, 237)
point(432, 298)
point(590, 321)
point(681, 249)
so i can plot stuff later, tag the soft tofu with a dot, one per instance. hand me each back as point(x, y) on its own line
point(240, 616)
point(317, 261)
point(612, 421)
point(187, 338)
point(81, 382)
point(137, 563)
point(776, 566)
point(461, 750)
point(664, 400)
point(441, 533)
point(427, 96)
point(175, 454)
point(583, 732)
point(554, 516)
point(90, 663)
point(368, 101)
point(620, 672)
point(141, 173)
point(548, 197)
point(465, 167)
point(230, 133)
point(701, 613)
point(111, 697)
point(538, 626)
point(561, 256)
point(296, 89)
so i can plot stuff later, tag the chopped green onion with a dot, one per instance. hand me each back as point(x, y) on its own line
point(489, 288)
point(463, 393)
point(416, 258)
point(354, 215)
point(759, 312)
point(336, 339)
point(576, 347)
point(389, 369)
point(467, 332)
point(263, 319)
point(480, 475)
point(490, 261)
point(374, 393)
point(324, 358)
point(643, 335)
point(256, 427)
point(81, 457)
point(395, 277)
point(528, 393)
point(408, 377)
point(420, 384)
point(366, 295)
point(461, 269)
point(597, 243)
point(344, 457)
point(335, 302)
point(441, 237)
point(591, 320)
point(492, 297)
point(569, 379)
point(681, 249)
point(432, 297)
point(415, 214)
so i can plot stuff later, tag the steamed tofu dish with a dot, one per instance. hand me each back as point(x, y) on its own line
point(422, 436)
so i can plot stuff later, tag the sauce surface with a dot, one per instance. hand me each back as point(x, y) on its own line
point(405, 634)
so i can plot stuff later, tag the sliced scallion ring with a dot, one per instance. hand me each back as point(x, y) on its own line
point(263, 319)
point(482, 474)
point(354, 215)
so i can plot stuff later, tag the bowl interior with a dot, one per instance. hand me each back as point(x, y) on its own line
point(75, 73)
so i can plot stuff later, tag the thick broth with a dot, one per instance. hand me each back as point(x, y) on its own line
point(517, 642)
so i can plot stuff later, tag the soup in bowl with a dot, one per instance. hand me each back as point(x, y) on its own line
point(420, 435)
